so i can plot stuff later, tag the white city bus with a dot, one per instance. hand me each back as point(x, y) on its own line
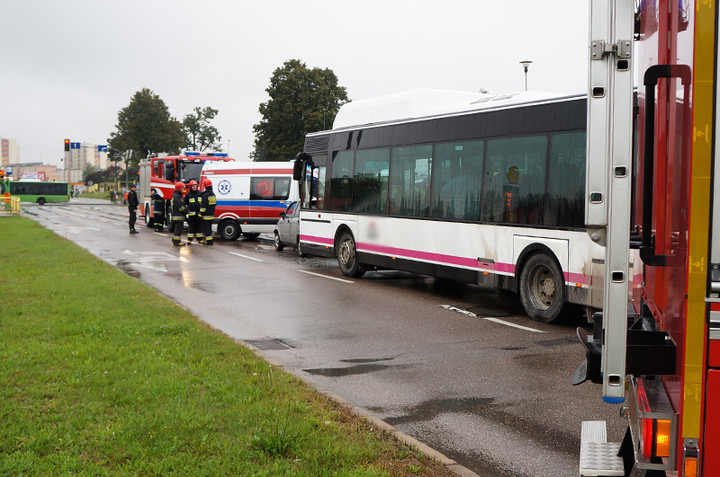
point(487, 190)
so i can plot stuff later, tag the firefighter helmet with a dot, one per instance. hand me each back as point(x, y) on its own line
point(192, 183)
point(207, 183)
point(179, 186)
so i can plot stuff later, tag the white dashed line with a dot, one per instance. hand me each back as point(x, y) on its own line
point(245, 256)
point(494, 320)
point(325, 276)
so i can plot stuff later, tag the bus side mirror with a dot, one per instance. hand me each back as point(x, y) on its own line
point(299, 165)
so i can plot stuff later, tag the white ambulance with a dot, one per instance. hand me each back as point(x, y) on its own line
point(250, 195)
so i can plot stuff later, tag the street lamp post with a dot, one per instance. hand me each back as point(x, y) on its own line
point(526, 64)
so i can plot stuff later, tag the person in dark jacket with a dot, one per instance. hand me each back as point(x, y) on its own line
point(178, 214)
point(207, 212)
point(132, 208)
point(158, 210)
point(192, 203)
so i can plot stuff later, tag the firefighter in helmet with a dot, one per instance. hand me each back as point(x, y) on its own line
point(178, 214)
point(158, 210)
point(207, 212)
point(192, 203)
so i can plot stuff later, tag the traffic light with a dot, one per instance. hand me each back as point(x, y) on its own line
point(67, 144)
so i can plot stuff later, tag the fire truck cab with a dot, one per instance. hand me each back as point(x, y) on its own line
point(161, 172)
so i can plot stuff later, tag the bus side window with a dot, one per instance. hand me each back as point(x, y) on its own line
point(318, 188)
point(521, 179)
point(410, 169)
point(566, 180)
point(341, 181)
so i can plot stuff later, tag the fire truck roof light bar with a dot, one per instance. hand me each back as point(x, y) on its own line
point(208, 154)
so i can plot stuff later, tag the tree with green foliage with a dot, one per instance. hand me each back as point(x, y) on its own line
point(200, 135)
point(301, 100)
point(144, 127)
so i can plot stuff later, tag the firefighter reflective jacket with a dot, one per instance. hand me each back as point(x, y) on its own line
point(178, 206)
point(207, 204)
point(192, 202)
point(158, 204)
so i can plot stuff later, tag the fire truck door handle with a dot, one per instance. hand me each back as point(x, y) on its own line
point(652, 75)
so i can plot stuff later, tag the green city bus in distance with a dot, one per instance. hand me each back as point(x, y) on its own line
point(37, 191)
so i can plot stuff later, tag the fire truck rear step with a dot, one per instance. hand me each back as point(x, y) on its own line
point(597, 456)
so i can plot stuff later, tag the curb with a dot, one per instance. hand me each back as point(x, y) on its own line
point(371, 418)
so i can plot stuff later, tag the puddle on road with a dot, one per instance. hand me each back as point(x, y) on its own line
point(365, 360)
point(349, 371)
point(187, 283)
point(127, 268)
point(428, 410)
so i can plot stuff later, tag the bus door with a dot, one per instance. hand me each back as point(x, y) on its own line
point(315, 221)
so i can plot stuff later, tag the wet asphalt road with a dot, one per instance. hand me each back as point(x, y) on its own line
point(458, 367)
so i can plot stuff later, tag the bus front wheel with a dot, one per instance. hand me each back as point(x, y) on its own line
point(347, 256)
point(41, 200)
point(542, 288)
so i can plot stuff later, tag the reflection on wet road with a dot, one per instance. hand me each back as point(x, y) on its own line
point(459, 367)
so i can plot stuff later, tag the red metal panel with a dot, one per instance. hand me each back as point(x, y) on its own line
point(714, 355)
point(711, 457)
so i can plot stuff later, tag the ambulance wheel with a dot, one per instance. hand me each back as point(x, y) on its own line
point(229, 230)
point(347, 256)
point(279, 246)
point(542, 288)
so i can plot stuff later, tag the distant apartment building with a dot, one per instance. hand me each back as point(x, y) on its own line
point(80, 156)
point(35, 171)
point(9, 152)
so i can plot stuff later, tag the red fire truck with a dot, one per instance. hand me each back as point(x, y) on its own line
point(653, 201)
point(162, 172)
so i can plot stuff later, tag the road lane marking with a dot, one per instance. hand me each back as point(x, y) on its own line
point(514, 325)
point(153, 260)
point(79, 230)
point(494, 320)
point(325, 276)
point(246, 256)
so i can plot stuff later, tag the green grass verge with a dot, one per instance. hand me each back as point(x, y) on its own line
point(101, 375)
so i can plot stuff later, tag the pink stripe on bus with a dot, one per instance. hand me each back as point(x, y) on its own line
point(418, 255)
point(312, 238)
point(574, 278)
point(496, 267)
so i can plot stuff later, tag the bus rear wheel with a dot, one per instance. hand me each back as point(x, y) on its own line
point(542, 288)
point(41, 200)
point(347, 256)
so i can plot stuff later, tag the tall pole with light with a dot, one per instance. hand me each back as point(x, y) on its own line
point(526, 65)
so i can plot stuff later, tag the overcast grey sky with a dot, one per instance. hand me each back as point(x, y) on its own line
point(68, 67)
